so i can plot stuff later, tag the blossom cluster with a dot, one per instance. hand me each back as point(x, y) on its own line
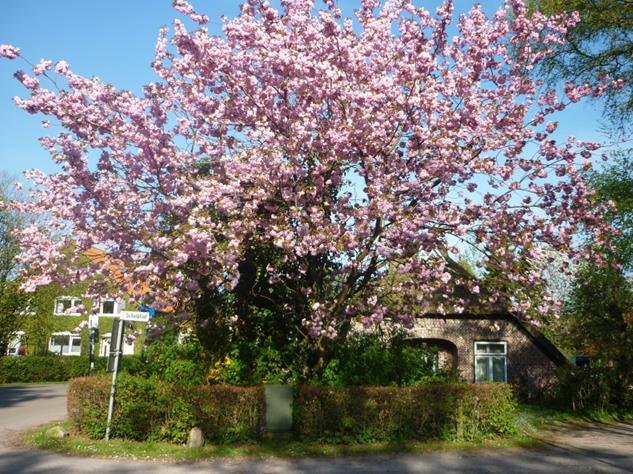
point(375, 143)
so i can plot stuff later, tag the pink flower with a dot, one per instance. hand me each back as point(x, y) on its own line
point(8, 51)
point(61, 67)
point(43, 66)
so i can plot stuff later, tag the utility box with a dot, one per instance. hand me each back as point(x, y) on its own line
point(278, 399)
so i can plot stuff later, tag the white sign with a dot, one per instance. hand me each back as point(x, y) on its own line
point(139, 316)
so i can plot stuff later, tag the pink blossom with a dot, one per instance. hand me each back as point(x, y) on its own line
point(344, 147)
point(8, 51)
point(43, 66)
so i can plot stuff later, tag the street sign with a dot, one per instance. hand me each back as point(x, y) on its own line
point(138, 316)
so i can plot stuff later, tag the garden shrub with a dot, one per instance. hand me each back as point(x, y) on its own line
point(55, 368)
point(438, 411)
point(148, 408)
point(177, 362)
point(253, 363)
point(365, 359)
point(591, 388)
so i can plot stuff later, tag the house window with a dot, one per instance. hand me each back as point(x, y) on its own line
point(491, 360)
point(109, 307)
point(64, 305)
point(65, 343)
point(15, 344)
point(104, 348)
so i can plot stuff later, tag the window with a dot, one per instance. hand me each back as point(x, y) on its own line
point(15, 344)
point(65, 343)
point(491, 361)
point(109, 307)
point(64, 305)
point(104, 348)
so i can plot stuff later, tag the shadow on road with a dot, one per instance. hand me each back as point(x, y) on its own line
point(517, 461)
point(16, 395)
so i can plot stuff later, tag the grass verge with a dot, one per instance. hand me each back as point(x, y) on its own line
point(536, 424)
point(538, 419)
point(167, 452)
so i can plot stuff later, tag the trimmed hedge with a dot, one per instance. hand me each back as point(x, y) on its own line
point(149, 409)
point(55, 368)
point(438, 411)
point(155, 410)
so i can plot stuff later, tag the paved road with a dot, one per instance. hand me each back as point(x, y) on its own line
point(23, 407)
point(594, 449)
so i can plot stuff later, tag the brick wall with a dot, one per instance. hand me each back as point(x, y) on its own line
point(529, 369)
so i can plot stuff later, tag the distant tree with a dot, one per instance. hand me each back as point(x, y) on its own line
point(598, 320)
point(601, 43)
point(614, 184)
point(598, 315)
point(13, 302)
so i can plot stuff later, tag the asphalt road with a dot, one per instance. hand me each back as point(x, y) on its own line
point(25, 406)
point(594, 449)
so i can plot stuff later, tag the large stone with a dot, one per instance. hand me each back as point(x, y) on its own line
point(195, 438)
point(56, 432)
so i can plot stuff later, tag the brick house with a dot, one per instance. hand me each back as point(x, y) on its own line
point(492, 347)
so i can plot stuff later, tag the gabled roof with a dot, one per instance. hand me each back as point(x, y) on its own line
point(533, 334)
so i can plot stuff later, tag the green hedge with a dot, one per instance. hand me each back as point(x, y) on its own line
point(55, 368)
point(438, 411)
point(147, 408)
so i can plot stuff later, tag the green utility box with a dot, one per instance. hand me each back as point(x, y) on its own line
point(278, 400)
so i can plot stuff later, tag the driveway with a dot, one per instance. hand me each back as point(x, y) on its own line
point(596, 448)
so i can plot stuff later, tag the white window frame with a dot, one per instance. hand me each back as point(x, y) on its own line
point(15, 345)
point(68, 347)
point(488, 356)
point(128, 347)
point(105, 344)
point(117, 308)
point(74, 301)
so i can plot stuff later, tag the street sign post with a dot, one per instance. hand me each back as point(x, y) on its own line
point(114, 360)
point(116, 350)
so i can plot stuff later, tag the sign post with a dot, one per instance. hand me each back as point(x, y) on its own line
point(116, 351)
point(116, 343)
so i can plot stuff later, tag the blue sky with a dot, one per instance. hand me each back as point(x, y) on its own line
point(115, 40)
